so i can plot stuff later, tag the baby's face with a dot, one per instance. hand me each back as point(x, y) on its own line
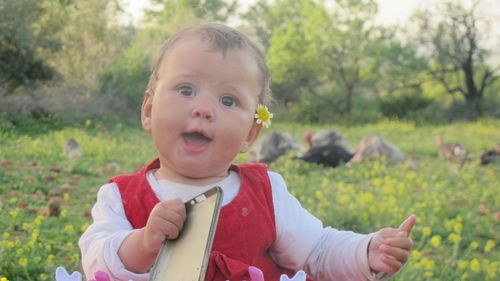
point(201, 114)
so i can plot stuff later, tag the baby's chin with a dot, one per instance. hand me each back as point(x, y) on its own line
point(194, 174)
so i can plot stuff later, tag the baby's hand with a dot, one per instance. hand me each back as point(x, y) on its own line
point(164, 222)
point(390, 248)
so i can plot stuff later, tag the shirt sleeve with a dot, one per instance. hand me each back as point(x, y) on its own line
point(99, 244)
point(303, 243)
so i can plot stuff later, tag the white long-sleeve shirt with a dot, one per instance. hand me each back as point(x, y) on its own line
point(302, 242)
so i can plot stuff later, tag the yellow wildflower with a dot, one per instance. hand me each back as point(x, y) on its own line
point(4, 279)
point(428, 264)
point(436, 241)
point(6, 235)
point(26, 226)
point(474, 265)
point(69, 228)
point(84, 227)
point(462, 264)
point(263, 115)
point(344, 198)
point(38, 220)
point(458, 227)
point(455, 238)
point(319, 194)
point(489, 246)
point(366, 198)
point(23, 261)
point(474, 244)
point(416, 254)
point(13, 213)
point(43, 276)
point(426, 231)
point(491, 268)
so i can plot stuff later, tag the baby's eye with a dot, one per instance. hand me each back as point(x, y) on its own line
point(186, 91)
point(228, 101)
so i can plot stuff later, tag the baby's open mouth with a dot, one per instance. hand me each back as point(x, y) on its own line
point(196, 138)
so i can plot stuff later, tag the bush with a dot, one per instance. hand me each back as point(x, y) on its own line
point(126, 80)
point(401, 107)
point(314, 108)
point(326, 107)
point(34, 122)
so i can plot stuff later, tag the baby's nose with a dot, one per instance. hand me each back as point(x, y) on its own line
point(203, 110)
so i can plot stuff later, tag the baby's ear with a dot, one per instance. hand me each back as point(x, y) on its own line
point(147, 110)
point(251, 137)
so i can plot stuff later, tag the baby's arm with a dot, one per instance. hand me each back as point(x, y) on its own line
point(99, 244)
point(102, 240)
point(139, 250)
point(304, 243)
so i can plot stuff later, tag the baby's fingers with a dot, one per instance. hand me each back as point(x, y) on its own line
point(172, 220)
point(169, 230)
point(392, 265)
point(396, 253)
point(399, 241)
point(167, 218)
point(408, 224)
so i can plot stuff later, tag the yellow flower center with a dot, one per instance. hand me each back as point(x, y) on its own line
point(263, 114)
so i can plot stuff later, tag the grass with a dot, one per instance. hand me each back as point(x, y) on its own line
point(456, 237)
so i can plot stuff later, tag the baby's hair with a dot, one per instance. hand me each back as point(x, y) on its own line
point(222, 38)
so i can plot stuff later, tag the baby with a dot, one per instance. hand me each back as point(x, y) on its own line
point(200, 108)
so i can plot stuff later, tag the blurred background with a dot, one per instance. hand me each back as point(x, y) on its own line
point(340, 61)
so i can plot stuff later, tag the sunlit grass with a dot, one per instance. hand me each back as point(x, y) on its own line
point(456, 237)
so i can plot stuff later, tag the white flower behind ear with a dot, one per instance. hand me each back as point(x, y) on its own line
point(62, 275)
point(299, 276)
point(263, 116)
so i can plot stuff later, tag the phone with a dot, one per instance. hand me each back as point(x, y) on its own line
point(186, 258)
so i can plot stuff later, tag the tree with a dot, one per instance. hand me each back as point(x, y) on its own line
point(454, 37)
point(348, 49)
point(217, 10)
point(294, 53)
point(396, 66)
point(21, 42)
point(317, 47)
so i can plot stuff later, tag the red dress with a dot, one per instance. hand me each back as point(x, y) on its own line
point(245, 231)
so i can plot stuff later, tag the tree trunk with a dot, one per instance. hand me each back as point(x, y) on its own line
point(472, 95)
point(348, 99)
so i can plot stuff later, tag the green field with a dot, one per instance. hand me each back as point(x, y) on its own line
point(456, 236)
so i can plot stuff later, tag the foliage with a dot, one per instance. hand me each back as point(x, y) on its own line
point(456, 236)
point(34, 122)
point(330, 60)
point(295, 60)
point(216, 10)
point(21, 40)
point(331, 52)
point(455, 38)
point(124, 82)
point(402, 106)
point(396, 67)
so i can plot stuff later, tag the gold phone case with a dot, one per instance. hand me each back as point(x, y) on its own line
point(186, 258)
